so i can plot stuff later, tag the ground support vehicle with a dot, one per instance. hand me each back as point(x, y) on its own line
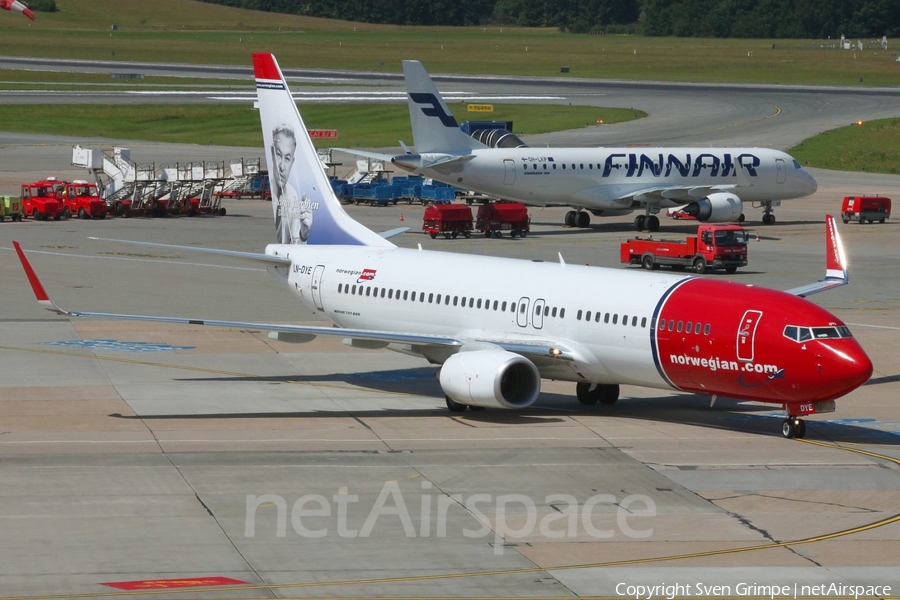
point(41, 199)
point(82, 199)
point(865, 208)
point(436, 193)
point(714, 247)
point(496, 217)
point(10, 208)
point(374, 194)
point(451, 220)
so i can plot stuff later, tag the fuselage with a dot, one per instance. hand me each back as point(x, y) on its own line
point(623, 178)
point(634, 327)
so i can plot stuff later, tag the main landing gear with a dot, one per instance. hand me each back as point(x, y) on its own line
point(646, 222)
point(578, 218)
point(591, 393)
point(793, 427)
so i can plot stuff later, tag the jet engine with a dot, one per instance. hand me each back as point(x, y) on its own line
point(491, 378)
point(721, 207)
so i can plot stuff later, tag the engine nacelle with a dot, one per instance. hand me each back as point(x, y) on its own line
point(490, 378)
point(721, 207)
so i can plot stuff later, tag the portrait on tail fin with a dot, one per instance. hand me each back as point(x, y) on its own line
point(293, 215)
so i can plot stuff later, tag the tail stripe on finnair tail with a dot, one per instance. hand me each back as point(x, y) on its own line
point(305, 208)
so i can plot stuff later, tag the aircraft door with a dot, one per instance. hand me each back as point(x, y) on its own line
point(509, 171)
point(746, 337)
point(522, 312)
point(317, 285)
point(780, 170)
point(537, 319)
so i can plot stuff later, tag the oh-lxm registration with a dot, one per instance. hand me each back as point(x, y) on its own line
point(836, 590)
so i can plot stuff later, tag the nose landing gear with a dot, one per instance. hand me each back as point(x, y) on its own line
point(793, 427)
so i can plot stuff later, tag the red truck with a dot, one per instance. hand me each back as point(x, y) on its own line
point(714, 247)
point(451, 220)
point(82, 198)
point(865, 208)
point(496, 217)
point(41, 199)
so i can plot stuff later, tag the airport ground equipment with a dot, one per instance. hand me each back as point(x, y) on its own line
point(10, 208)
point(82, 199)
point(714, 247)
point(865, 208)
point(41, 199)
point(496, 217)
point(449, 220)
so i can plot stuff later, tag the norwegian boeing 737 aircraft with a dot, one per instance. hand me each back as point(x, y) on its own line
point(497, 326)
point(713, 182)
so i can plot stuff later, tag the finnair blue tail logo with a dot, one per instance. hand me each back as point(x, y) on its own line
point(434, 108)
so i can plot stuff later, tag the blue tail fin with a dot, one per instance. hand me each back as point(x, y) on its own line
point(306, 209)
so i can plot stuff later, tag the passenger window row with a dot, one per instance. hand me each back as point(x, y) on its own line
point(543, 167)
point(445, 299)
point(612, 318)
point(682, 327)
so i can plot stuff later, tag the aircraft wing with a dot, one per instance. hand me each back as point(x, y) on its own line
point(535, 348)
point(835, 261)
point(268, 259)
point(656, 195)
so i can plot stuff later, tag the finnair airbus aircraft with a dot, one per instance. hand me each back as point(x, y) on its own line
point(713, 182)
point(498, 326)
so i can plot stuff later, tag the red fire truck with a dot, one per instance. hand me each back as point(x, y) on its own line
point(82, 198)
point(41, 199)
point(714, 247)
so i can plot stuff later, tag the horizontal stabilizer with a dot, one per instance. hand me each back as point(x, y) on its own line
point(251, 256)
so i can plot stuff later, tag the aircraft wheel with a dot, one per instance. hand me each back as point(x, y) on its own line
point(570, 218)
point(455, 406)
point(639, 222)
point(653, 223)
point(699, 265)
point(584, 394)
point(793, 427)
point(609, 394)
point(583, 219)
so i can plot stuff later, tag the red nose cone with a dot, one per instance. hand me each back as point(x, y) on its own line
point(848, 367)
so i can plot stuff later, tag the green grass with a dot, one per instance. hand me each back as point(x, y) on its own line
point(365, 126)
point(873, 146)
point(188, 31)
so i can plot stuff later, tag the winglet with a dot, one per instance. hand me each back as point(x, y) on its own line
point(40, 293)
point(836, 273)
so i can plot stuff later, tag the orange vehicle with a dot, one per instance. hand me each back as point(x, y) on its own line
point(82, 198)
point(865, 208)
point(41, 199)
point(714, 247)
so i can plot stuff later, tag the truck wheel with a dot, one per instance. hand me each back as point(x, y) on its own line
point(487, 233)
point(513, 234)
point(454, 234)
point(82, 214)
point(730, 270)
point(433, 235)
point(468, 234)
point(699, 265)
point(498, 234)
point(845, 221)
point(222, 212)
point(67, 213)
point(647, 262)
point(447, 235)
point(523, 233)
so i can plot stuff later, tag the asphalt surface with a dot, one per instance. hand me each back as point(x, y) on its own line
point(139, 452)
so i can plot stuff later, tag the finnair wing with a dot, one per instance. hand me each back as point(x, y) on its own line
point(836, 264)
point(529, 347)
point(655, 195)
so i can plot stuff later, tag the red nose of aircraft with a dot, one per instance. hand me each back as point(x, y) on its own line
point(843, 366)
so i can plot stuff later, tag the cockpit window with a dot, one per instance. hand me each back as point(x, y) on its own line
point(803, 334)
point(797, 165)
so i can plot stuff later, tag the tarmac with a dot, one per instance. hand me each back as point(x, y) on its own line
point(168, 456)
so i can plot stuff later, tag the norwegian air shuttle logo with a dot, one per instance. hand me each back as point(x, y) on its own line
point(433, 108)
point(366, 275)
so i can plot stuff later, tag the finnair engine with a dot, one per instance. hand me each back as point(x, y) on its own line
point(721, 207)
point(490, 378)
